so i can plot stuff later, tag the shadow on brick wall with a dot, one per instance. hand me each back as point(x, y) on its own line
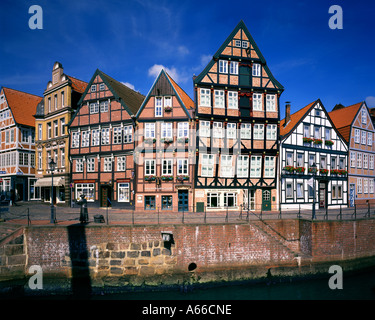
point(79, 255)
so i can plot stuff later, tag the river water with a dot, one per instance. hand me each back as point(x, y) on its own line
point(360, 286)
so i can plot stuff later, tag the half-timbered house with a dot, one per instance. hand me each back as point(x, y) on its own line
point(165, 150)
point(17, 144)
point(102, 143)
point(237, 118)
point(308, 138)
point(355, 125)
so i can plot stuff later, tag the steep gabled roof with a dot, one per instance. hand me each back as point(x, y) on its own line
point(186, 102)
point(78, 85)
point(344, 117)
point(129, 99)
point(240, 25)
point(23, 106)
point(295, 119)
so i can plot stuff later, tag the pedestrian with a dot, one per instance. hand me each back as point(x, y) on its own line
point(12, 198)
point(84, 215)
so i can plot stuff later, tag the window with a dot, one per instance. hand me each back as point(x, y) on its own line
point(230, 199)
point(356, 135)
point(365, 185)
point(49, 130)
point(289, 159)
point(40, 161)
point(212, 200)
point(237, 43)
point(245, 131)
point(149, 202)
point(323, 162)
point(226, 166)
point(371, 164)
point(205, 97)
point(107, 164)
point(231, 130)
point(93, 88)
point(257, 102)
point(352, 159)
point(233, 67)
point(256, 70)
point(105, 136)
point(158, 106)
point(371, 185)
point(79, 165)
point(183, 130)
point(123, 192)
point(32, 159)
point(7, 136)
point(306, 131)
point(75, 139)
point(182, 167)
point(363, 140)
point(167, 101)
point(232, 100)
point(269, 167)
point(90, 164)
point(369, 138)
point(121, 163)
point(149, 167)
point(85, 138)
point(245, 44)
point(204, 128)
point(300, 160)
point(117, 135)
point(317, 133)
point(167, 168)
point(62, 126)
point(104, 106)
point(311, 159)
point(333, 162)
point(24, 135)
point(270, 102)
point(359, 160)
point(166, 202)
point(101, 87)
point(219, 99)
point(94, 107)
point(40, 132)
point(317, 112)
point(207, 169)
point(258, 131)
point(328, 134)
point(255, 166)
point(128, 134)
point(365, 161)
point(359, 185)
point(62, 99)
point(271, 132)
point(336, 192)
point(95, 139)
point(289, 190)
point(223, 66)
point(299, 190)
point(218, 130)
point(87, 189)
point(242, 166)
point(149, 130)
point(55, 99)
point(364, 116)
point(166, 130)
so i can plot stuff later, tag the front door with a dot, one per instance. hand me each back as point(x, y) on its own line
point(266, 200)
point(105, 196)
point(322, 194)
point(183, 200)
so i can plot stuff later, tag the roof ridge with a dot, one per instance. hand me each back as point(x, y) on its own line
point(31, 94)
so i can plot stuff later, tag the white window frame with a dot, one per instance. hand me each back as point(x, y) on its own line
point(257, 102)
point(357, 135)
point(359, 160)
point(364, 116)
point(219, 99)
point(271, 131)
point(270, 102)
point(255, 166)
point(258, 131)
point(363, 137)
point(128, 134)
point(369, 138)
point(95, 137)
point(107, 161)
point(231, 130)
point(205, 97)
point(94, 107)
point(207, 165)
point(167, 167)
point(233, 67)
point(223, 66)
point(371, 185)
point(117, 135)
point(183, 166)
point(242, 166)
point(90, 164)
point(85, 139)
point(88, 189)
point(105, 136)
point(204, 129)
point(158, 106)
point(183, 130)
point(217, 130)
point(226, 166)
point(269, 167)
point(75, 139)
point(371, 161)
point(104, 106)
point(245, 131)
point(79, 165)
point(121, 163)
point(353, 159)
point(256, 70)
point(365, 161)
point(150, 168)
point(232, 100)
point(149, 130)
point(166, 130)
point(365, 185)
point(123, 192)
point(359, 185)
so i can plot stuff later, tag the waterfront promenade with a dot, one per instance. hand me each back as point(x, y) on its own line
point(37, 213)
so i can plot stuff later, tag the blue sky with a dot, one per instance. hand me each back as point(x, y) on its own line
point(131, 40)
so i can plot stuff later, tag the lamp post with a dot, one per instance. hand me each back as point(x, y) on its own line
point(52, 166)
point(314, 169)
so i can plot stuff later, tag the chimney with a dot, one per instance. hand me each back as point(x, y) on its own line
point(287, 113)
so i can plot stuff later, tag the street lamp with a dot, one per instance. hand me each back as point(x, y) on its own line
point(52, 166)
point(313, 169)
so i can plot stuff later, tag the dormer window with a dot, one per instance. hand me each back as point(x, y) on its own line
point(93, 88)
point(237, 43)
point(245, 44)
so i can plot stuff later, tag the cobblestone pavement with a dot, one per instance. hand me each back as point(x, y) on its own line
point(37, 213)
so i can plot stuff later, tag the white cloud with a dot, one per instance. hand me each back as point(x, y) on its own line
point(156, 68)
point(129, 85)
point(182, 50)
point(370, 101)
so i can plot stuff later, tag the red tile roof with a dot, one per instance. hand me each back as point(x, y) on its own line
point(343, 118)
point(78, 85)
point(23, 106)
point(295, 118)
point(187, 101)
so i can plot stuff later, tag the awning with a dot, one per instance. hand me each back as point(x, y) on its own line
point(47, 182)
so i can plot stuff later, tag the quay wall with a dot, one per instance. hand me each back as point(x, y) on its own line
point(198, 253)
